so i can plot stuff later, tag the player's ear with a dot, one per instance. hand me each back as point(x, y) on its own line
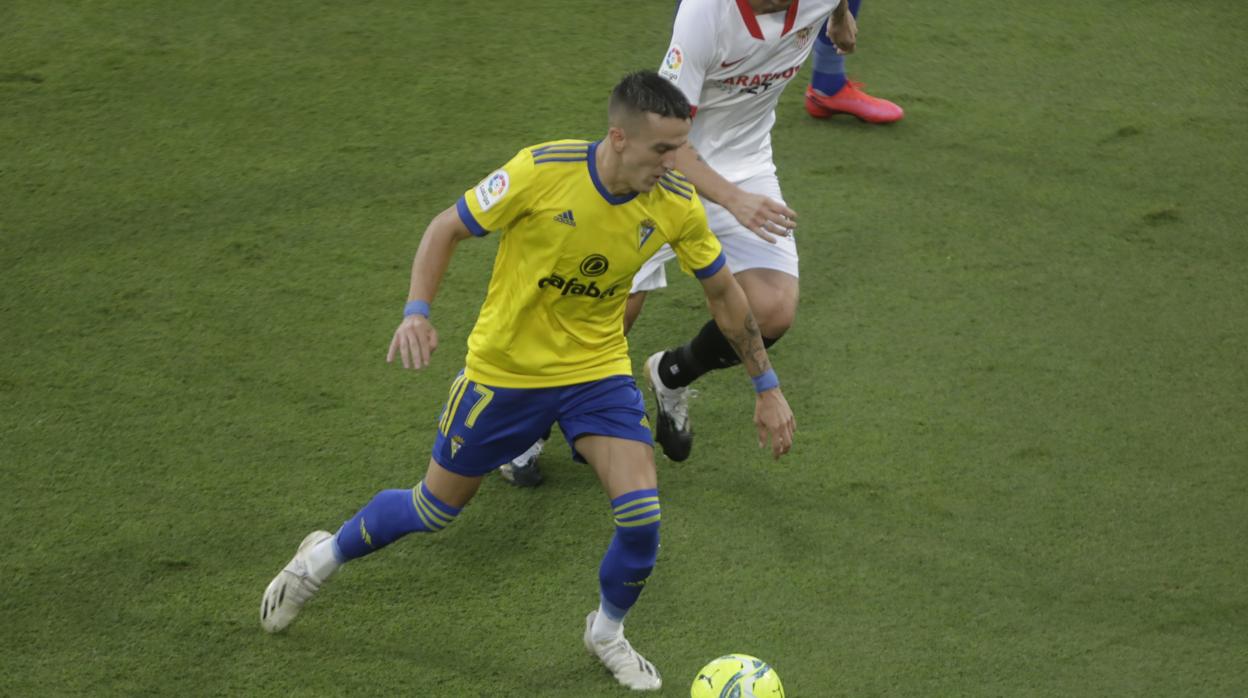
point(617, 138)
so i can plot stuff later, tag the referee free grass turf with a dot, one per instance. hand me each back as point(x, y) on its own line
point(1018, 368)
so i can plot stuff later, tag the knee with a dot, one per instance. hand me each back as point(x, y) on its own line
point(775, 316)
point(773, 301)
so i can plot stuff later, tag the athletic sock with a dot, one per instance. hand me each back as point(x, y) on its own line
point(606, 628)
point(391, 515)
point(709, 350)
point(324, 559)
point(629, 559)
point(828, 76)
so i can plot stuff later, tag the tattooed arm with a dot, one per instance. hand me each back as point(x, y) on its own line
point(731, 310)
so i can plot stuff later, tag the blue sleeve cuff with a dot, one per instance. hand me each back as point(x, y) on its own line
point(465, 215)
point(710, 269)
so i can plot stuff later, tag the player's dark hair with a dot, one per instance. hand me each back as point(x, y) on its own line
point(645, 91)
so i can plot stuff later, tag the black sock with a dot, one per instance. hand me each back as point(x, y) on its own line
point(706, 352)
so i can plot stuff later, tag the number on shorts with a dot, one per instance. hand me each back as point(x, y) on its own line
point(486, 395)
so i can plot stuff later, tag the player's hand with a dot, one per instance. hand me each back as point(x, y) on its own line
point(414, 342)
point(843, 31)
point(764, 217)
point(774, 420)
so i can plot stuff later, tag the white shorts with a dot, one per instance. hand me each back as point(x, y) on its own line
point(742, 248)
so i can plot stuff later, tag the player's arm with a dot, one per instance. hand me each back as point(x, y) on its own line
point(843, 28)
point(415, 339)
point(764, 217)
point(731, 311)
point(690, 54)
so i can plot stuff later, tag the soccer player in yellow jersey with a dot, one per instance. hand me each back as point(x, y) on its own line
point(576, 221)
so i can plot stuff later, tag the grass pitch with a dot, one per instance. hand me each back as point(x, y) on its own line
point(1018, 369)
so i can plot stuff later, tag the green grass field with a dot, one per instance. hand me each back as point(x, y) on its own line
point(1020, 369)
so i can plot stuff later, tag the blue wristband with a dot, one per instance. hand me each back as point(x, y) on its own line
point(420, 308)
point(765, 382)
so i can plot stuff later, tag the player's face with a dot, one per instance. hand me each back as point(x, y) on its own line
point(648, 149)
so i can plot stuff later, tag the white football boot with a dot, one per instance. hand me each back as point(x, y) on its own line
point(671, 428)
point(629, 667)
point(291, 588)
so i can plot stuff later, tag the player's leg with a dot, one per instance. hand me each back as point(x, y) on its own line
point(606, 423)
point(768, 274)
point(391, 514)
point(473, 437)
point(524, 471)
point(772, 296)
point(832, 92)
point(671, 401)
point(773, 300)
point(828, 73)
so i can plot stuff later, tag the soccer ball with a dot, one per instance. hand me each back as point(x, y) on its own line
point(737, 676)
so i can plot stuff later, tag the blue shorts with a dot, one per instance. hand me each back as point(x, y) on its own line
point(483, 427)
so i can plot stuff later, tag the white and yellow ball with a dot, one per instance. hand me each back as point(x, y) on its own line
point(737, 676)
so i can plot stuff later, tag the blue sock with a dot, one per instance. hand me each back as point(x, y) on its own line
point(829, 73)
point(391, 515)
point(632, 552)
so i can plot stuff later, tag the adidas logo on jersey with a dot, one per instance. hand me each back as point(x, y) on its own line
point(566, 218)
point(574, 287)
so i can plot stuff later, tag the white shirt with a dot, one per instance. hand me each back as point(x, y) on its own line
point(732, 66)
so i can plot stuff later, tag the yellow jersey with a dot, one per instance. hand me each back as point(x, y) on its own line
point(554, 311)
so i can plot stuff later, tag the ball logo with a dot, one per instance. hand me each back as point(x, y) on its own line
point(594, 265)
point(492, 188)
point(737, 675)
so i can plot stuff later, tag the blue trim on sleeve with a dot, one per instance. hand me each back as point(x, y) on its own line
point(675, 182)
point(593, 174)
point(465, 215)
point(710, 269)
point(672, 188)
point(550, 158)
point(581, 147)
